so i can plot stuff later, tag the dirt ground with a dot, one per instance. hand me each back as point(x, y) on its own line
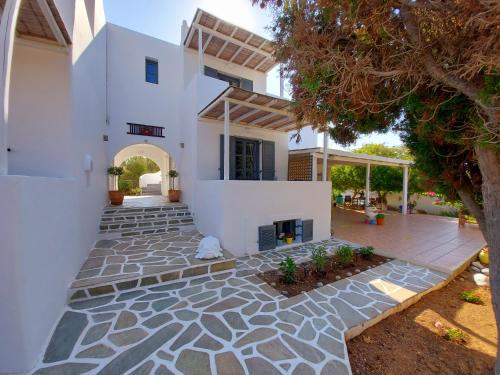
point(309, 279)
point(409, 342)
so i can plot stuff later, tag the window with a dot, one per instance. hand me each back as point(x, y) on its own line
point(152, 71)
point(232, 80)
point(246, 159)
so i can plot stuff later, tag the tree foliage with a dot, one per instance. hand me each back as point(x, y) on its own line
point(135, 167)
point(383, 179)
point(428, 68)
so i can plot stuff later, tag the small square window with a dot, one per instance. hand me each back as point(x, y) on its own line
point(152, 71)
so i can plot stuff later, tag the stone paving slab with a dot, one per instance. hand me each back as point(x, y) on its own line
point(125, 263)
point(228, 323)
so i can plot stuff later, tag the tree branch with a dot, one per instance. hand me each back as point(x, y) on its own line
point(436, 71)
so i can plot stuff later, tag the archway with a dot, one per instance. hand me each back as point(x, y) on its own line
point(164, 161)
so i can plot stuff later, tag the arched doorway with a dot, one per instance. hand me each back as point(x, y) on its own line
point(159, 156)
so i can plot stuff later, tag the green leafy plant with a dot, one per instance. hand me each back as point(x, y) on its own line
point(115, 171)
point(454, 335)
point(367, 252)
point(124, 186)
point(471, 297)
point(136, 191)
point(319, 258)
point(288, 268)
point(345, 255)
point(173, 174)
point(380, 216)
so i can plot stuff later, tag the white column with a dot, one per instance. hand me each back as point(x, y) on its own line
point(404, 210)
point(314, 171)
point(324, 172)
point(7, 34)
point(226, 140)
point(200, 51)
point(367, 187)
point(282, 84)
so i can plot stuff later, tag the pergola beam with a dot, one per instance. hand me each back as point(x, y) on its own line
point(56, 31)
point(235, 41)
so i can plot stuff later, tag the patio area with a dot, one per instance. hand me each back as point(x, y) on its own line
point(431, 241)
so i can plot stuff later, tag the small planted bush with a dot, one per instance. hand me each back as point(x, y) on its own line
point(367, 252)
point(288, 269)
point(471, 297)
point(454, 335)
point(345, 255)
point(319, 258)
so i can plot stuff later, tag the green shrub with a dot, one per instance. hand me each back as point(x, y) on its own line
point(454, 334)
point(288, 268)
point(367, 252)
point(345, 255)
point(319, 258)
point(471, 297)
point(135, 191)
point(124, 185)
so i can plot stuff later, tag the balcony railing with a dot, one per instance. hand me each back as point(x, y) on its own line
point(145, 130)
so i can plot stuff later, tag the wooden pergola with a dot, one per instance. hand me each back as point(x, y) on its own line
point(213, 36)
point(40, 20)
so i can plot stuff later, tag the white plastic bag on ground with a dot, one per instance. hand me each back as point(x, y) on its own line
point(209, 248)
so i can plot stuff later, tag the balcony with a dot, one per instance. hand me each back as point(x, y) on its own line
point(145, 130)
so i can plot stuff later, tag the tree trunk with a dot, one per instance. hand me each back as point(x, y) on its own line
point(489, 164)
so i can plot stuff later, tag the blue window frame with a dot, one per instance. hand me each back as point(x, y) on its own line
point(151, 71)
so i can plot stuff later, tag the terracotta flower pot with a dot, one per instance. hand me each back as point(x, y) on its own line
point(380, 221)
point(461, 220)
point(174, 195)
point(116, 197)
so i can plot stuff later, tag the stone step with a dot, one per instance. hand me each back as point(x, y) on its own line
point(120, 210)
point(143, 217)
point(146, 227)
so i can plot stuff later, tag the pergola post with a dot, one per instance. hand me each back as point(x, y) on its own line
point(7, 34)
point(404, 209)
point(367, 187)
point(324, 172)
point(226, 140)
point(314, 168)
point(200, 50)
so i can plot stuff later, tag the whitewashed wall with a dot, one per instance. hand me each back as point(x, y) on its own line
point(48, 224)
point(243, 206)
point(40, 111)
point(132, 99)
point(424, 203)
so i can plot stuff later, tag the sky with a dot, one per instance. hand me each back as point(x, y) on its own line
point(162, 19)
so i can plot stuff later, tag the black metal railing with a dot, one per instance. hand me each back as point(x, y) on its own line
point(145, 130)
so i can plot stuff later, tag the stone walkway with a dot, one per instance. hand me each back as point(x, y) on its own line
point(229, 323)
point(125, 263)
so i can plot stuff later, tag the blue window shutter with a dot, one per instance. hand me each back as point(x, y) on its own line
point(307, 230)
point(246, 84)
point(231, 158)
point(268, 160)
point(267, 237)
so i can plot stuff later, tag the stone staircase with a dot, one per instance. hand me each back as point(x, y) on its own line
point(134, 221)
point(151, 189)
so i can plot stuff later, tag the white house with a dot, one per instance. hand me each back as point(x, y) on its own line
point(79, 94)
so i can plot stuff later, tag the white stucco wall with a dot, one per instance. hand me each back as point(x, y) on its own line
point(150, 179)
point(423, 202)
point(48, 224)
point(243, 206)
point(132, 99)
point(40, 111)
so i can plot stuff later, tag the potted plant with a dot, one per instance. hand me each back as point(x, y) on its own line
point(289, 238)
point(380, 219)
point(173, 194)
point(115, 195)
